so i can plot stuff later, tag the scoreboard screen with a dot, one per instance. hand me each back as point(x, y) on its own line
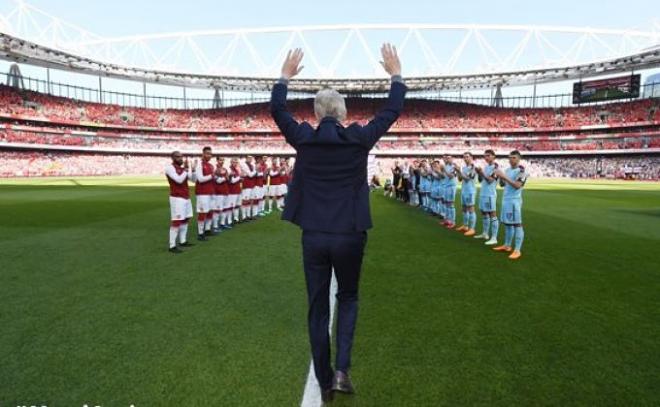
point(622, 87)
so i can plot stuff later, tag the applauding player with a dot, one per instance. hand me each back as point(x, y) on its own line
point(235, 191)
point(249, 174)
point(222, 195)
point(436, 189)
point(467, 175)
point(450, 191)
point(260, 189)
point(488, 199)
point(274, 185)
point(178, 173)
point(513, 180)
point(204, 191)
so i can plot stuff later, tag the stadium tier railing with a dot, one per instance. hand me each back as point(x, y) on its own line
point(144, 100)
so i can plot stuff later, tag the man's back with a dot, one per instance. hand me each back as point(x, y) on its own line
point(329, 199)
point(329, 191)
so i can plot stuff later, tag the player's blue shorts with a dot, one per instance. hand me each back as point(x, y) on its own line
point(424, 187)
point(435, 193)
point(450, 194)
point(467, 198)
point(511, 211)
point(488, 203)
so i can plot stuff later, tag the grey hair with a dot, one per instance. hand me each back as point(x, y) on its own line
point(329, 103)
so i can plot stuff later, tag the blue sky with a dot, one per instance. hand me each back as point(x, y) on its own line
point(122, 17)
point(129, 17)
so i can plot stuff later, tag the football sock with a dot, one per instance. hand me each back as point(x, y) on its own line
point(495, 225)
point(174, 231)
point(473, 220)
point(520, 235)
point(201, 219)
point(508, 235)
point(183, 232)
point(486, 222)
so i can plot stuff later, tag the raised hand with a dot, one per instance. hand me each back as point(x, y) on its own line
point(390, 61)
point(291, 66)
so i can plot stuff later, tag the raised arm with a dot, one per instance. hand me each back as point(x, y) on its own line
point(284, 120)
point(385, 118)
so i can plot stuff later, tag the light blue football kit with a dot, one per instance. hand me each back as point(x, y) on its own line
point(488, 202)
point(512, 197)
point(512, 207)
point(468, 194)
point(488, 196)
point(450, 193)
point(468, 185)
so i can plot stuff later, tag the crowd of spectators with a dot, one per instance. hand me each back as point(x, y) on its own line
point(33, 163)
point(611, 167)
point(43, 164)
point(28, 117)
point(419, 114)
point(168, 142)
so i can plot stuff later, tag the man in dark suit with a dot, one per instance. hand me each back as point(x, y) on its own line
point(329, 199)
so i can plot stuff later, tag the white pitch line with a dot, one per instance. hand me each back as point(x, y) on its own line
point(312, 393)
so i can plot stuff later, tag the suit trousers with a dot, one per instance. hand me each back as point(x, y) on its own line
point(323, 252)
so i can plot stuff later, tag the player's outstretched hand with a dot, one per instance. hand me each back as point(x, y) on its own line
point(291, 66)
point(390, 61)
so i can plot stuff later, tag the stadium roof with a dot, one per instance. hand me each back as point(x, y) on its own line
point(438, 56)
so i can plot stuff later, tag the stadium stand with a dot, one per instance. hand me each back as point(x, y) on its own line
point(420, 115)
point(44, 163)
point(42, 134)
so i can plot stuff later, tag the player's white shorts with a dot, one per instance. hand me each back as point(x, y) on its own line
point(487, 203)
point(259, 192)
point(180, 208)
point(204, 203)
point(273, 190)
point(511, 211)
point(233, 201)
point(247, 194)
point(222, 202)
point(284, 188)
point(216, 202)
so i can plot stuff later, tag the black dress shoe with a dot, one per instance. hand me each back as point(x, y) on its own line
point(175, 250)
point(186, 244)
point(342, 383)
point(327, 395)
point(202, 238)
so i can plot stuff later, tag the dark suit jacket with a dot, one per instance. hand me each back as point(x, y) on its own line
point(329, 190)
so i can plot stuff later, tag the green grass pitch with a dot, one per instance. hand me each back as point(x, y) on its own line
point(95, 310)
